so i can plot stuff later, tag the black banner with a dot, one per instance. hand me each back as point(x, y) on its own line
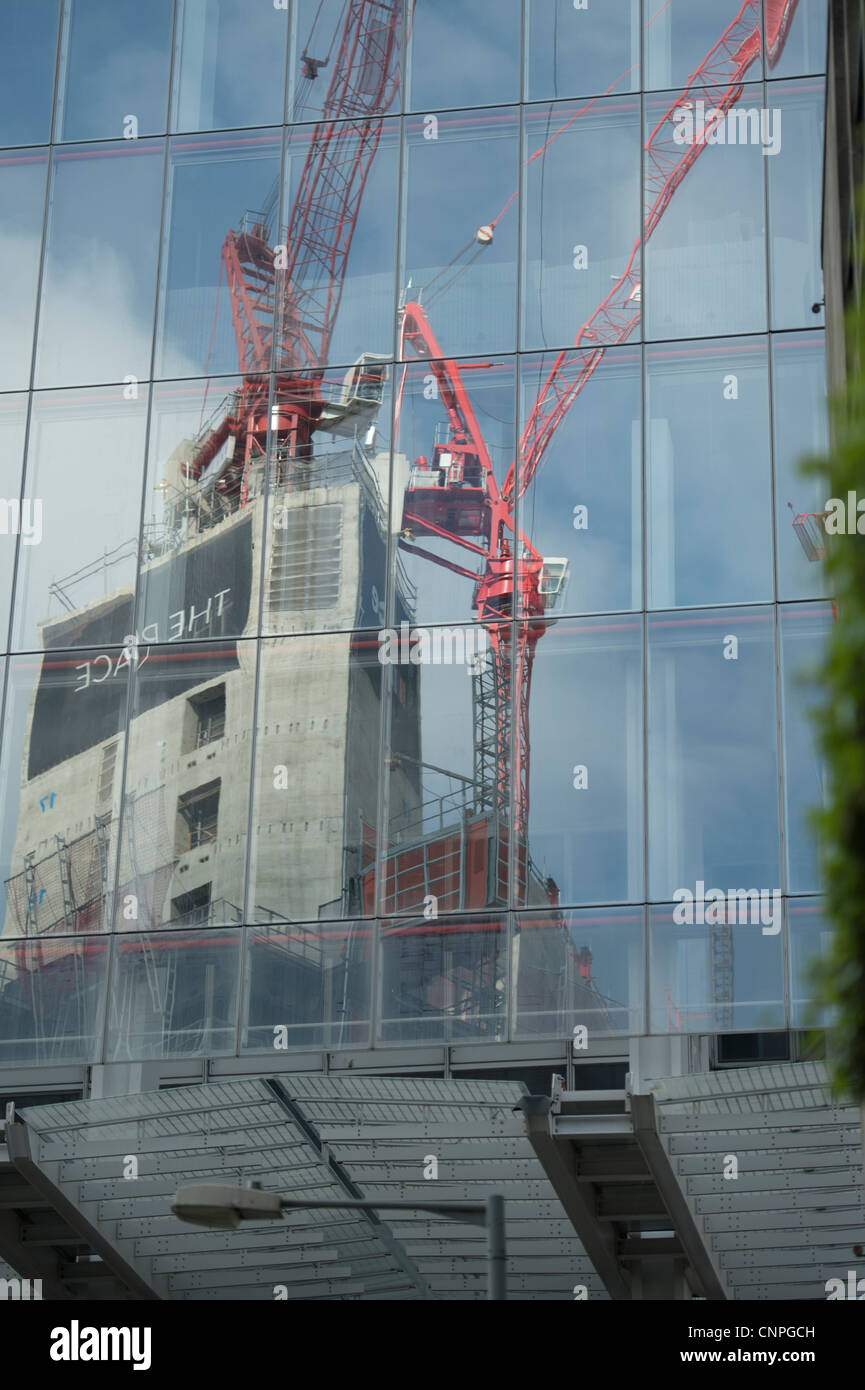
point(203, 593)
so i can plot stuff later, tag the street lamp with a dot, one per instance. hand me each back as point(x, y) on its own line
point(219, 1206)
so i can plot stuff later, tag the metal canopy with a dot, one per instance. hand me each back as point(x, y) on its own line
point(642, 1178)
point(787, 1223)
point(622, 1193)
point(320, 1136)
point(51, 1243)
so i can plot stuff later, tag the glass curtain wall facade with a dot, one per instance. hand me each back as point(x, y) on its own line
point(405, 628)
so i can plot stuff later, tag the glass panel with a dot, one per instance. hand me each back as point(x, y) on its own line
point(805, 629)
point(326, 562)
point(463, 53)
point(448, 793)
point(580, 51)
point(230, 64)
point(85, 460)
point(578, 971)
point(705, 261)
point(27, 58)
point(96, 319)
point(586, 732)
point(316, 778)
point(801, 430)
point(13, 420)
point(454, 447)
point(796, 204)
point(114, 69)
point(682, 36)
point(203, 505)
point(443, 982)
point(462, 265)
point(52, 1000)
point(810, 935)
point(573, 510)
point(22, 206)
point(340, 242)
point(708, 485)
point(186, 797)
point(724, 976)
point(221, 204)
point(174, 994)
point(345, 61)
point(307, 986)
point(582, 224)
point(713, 752)
point(795, 38)
point(62, 768)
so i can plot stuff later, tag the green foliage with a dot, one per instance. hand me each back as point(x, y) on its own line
point(840, 720)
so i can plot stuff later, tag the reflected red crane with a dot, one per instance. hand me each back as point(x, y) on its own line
point(285, 298)
point(462, 503)
point(284, 305)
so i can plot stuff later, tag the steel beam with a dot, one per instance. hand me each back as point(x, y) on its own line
point(676, 1201)
point(558, 1161)
point(122, 1263)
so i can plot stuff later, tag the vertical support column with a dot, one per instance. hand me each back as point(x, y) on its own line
point(496, 1252)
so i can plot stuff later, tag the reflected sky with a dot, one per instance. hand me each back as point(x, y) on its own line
point(581, 221)
point(708, 474)
point(713, 755)
point(89, 534)
point(593, 463)
point(229, 64)
point(99, 278)
point(114, 63)
point(668, 450)
point(800, 431)
point(463, 53)
point(586, 826)
point(581, 52)
point(23, 178)
point(27, 58)
point(686, 995)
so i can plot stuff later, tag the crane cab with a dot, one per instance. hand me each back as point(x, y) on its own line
point(553, 582)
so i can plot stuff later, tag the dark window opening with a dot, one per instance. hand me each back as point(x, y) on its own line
point(747, 1049)
point(197, 817)
point(189, 909)
point(209, 712)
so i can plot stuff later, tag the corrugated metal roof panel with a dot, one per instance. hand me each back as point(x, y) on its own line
point(324, 1137)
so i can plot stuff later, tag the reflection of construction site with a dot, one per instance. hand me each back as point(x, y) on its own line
point(146, 835)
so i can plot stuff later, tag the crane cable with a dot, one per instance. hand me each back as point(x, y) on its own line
point(304, 87)
point(491, 226)
point(445, 268)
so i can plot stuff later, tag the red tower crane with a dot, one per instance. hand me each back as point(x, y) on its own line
point(463, 503)
point(284, 308)
point(284, 299)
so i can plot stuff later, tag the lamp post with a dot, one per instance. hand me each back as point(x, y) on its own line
point(223, 1207)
